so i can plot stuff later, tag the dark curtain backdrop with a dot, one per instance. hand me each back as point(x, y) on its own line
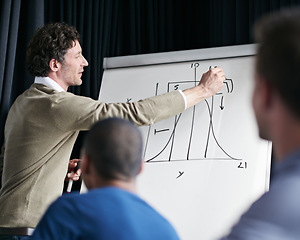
point(121, 27)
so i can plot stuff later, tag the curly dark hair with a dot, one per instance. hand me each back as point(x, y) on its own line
point(49, 42)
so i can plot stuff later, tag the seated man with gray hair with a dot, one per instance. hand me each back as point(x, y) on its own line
point(111, 160)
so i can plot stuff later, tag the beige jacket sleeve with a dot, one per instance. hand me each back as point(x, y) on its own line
point(1, 164)
point(79, 113)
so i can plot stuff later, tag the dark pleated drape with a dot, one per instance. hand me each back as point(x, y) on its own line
point(121, 27)
point(9, 22)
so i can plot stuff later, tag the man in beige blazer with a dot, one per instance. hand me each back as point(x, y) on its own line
point(43, 124)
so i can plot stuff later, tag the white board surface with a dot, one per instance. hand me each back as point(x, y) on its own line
point(205, 167)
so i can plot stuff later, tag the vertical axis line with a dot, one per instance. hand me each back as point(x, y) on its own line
point(193, 119)
point(149, 129)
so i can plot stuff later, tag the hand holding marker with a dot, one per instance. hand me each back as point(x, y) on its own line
point(69, 188)
point(74, 173)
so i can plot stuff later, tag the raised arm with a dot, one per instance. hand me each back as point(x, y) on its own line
point(211, 82)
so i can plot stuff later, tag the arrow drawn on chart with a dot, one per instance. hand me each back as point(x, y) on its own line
point(222, 100)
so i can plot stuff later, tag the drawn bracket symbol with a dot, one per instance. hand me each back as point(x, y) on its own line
point(229, 85)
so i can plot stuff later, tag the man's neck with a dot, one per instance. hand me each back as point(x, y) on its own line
point(61, 83)
point(286, 145)
point(129, 186)
point(285, 135)
point(50, 83)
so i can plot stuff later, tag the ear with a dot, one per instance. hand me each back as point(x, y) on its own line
point(86, 170)
point(141, 166)
point(266, 92)
point(84, 163)
point(54, 65)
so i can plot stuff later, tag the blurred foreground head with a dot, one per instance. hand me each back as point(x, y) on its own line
point(278, 55)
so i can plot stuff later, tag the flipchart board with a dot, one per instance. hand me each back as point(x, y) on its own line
point(204, 167)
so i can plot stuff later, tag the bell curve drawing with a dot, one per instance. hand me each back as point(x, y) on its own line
point(220, 128)
point(194, 148)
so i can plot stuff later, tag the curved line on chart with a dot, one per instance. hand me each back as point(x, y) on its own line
point(210, 122)
point(173, 138)
point(191, 134)
point(149, 129)
point(167, 141)
point(147, 140)
point(213, 132)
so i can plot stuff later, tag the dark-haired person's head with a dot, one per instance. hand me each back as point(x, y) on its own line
point(112, 152)
point(55, 52)
point(49, 42)
point(277, 64)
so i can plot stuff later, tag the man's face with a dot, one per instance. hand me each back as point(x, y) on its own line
point(72, 67)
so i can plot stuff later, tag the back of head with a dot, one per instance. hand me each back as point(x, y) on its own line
point(278, 56)
point(49, 42)
point(114, 146)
